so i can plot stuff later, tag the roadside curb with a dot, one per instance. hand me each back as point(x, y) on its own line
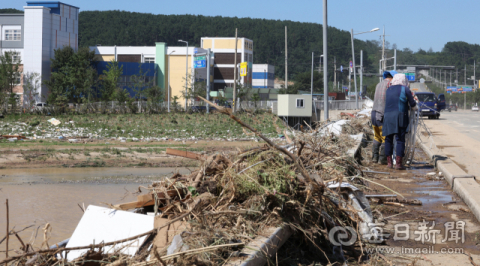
point(461, 183)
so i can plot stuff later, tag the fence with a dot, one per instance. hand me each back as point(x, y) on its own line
point(339, 104)
point(148, 107)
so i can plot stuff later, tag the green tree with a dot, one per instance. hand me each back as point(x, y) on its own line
point(9, 78)
point(73, 76)
point(141, 83)
point(255, 98)
point(9, 71)
point(109, 81)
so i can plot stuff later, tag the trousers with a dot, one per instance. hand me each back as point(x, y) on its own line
point(377, 134)
point(377, 128)
point(400, 137)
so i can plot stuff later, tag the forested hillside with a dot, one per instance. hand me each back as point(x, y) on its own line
point(126, 28)
point(9, 11)
point(129, 28)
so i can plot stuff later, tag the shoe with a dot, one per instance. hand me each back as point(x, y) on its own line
point(375, 148)
point(390, 162)
point(382, 159)
point(399, 163)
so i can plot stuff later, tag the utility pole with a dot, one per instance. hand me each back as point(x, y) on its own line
point(383, 51)
point(349, 80)
point(325, 70)
point(311, 83)
point(395, 59)
point(286, 59)
point(354, 72)
point(234, 74)
point(465, 75)
point(456, 83)
point(208, 79)
point(335, 73)
point(474, 76)
point(361, 71)
point(320, 66)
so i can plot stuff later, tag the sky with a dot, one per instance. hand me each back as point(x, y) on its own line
point(409, 24)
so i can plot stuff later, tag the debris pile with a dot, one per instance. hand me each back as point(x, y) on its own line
point(211, 216)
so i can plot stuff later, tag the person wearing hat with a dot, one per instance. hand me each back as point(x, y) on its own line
point(398, 98)
point(378, 151)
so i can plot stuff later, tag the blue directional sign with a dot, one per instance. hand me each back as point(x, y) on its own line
point(410, 76)
point(341, 68)
point(451, 89)
point(200, 62)
point(345, 88)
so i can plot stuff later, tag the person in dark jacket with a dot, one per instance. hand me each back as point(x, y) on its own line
point(378, 147)
point(395, 121)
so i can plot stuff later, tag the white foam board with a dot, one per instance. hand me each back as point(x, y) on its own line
point(100, 224)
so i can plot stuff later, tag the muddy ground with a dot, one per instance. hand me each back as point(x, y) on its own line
point(439, 205)
point(108, 153)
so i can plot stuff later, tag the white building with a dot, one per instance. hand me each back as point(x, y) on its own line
point(45, 26)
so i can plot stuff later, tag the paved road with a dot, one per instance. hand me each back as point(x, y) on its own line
point(457, 135)
point(418, 87)
point(466, 122)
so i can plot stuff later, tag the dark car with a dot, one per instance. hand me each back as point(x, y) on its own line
point(430, 105)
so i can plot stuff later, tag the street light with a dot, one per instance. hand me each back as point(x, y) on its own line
point(186, 75)
point(353, 59)
point(168, 86)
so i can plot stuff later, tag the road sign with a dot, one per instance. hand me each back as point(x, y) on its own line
point(341, 68)
point(243, 69)
point(351, 64)
point(467, 89)
point(195, 51)
point(200, 62)
point(410, 76)
point(451, 89)
point(345, 88)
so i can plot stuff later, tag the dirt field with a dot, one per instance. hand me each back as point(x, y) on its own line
point(108, 153)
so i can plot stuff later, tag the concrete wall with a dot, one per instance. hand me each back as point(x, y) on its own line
point(287, 105)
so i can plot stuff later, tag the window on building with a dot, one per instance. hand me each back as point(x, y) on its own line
point(300, 103)
point(149, 60)
point(13, 35)
point(16, 58)
point(18, 78)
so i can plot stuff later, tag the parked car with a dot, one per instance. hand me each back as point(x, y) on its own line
point(430, 105)
point(475, 108)
point(40, 105)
